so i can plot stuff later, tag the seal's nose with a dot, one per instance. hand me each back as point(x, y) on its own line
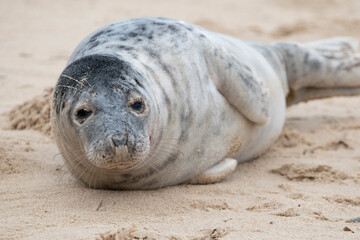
point(119, 140)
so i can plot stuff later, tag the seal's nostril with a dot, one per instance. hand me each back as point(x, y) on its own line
point(119, 141)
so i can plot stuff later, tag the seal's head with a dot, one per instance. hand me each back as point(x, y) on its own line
point(102, 117)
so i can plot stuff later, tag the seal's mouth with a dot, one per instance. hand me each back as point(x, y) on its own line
point(119, 152)
point(123, 166)
point(116, 163)
point(117, 166)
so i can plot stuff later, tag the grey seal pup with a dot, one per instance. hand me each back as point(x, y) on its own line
point(152, 102)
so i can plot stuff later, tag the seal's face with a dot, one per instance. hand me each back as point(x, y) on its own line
point(102, 114)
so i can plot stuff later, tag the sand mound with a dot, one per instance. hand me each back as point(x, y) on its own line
point(34, 114)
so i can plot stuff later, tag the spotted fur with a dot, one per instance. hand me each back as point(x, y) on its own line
point(206, 96)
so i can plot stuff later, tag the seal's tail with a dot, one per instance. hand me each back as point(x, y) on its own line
point(320, 69)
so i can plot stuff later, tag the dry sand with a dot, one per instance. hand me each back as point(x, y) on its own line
point(304, 187)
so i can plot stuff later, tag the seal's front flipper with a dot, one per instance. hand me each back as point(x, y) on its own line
point(240, 87)
point(216, 173)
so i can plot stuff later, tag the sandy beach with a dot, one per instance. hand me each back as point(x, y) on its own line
point(304, 187)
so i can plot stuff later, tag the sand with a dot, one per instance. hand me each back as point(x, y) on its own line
point(305, 187)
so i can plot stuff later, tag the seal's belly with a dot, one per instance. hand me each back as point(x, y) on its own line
point(228, 133)
point(223, 132)
point(243, 140)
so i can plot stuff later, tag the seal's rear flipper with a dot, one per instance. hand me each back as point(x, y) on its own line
point(320, 69)
point(216, 173)
point(335, 48)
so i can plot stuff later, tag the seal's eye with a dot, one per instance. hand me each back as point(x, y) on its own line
point(82, 114)
point(137, 106)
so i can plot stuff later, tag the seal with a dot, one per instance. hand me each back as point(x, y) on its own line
point(152, 102)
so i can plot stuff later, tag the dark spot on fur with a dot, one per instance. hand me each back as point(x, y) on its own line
point(94, 44)
point(93, 38)
point(111, 34)
point(165, 67)
point(184, 136)
point(133, 34)
point(127, 48)
point(186, 117)
point(152, 52)
point(249, 71)
point(158, 23)
point(186, 121)
point(173, 28)
point(123, 39)
point(189, 28)
point(249, 82)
